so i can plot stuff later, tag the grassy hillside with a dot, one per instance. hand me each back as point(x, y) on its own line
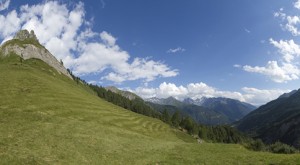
point(46, 118)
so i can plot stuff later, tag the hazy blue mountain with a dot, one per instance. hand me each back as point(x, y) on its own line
point(198, 113)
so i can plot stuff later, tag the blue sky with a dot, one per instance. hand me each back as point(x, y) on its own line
point(242, 49)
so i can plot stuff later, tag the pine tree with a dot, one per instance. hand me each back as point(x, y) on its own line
point(166, 117)
point(175, 119)
point(21, 59)
point(202, 133)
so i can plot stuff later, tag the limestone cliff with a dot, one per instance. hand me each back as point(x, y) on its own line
point(26, 45)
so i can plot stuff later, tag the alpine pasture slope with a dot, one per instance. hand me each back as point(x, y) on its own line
point(47, 118)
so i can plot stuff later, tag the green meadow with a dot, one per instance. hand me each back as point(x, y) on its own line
point(47, 118)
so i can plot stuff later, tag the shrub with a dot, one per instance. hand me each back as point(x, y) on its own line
point(256, 145)
point(282, 148)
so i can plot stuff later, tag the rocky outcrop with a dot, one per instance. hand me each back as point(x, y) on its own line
point(26, 50)
point(24, 34)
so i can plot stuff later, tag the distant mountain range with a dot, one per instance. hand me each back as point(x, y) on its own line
point(195, 101)
point(165, 101)
point(198, 113)
point(211, 111)
point(231, 108)
point(278, 120)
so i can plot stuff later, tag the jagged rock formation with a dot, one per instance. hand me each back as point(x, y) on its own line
point(24, 34)
point(26, 45)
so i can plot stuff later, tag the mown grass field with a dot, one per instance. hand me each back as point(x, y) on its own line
point(46, 118)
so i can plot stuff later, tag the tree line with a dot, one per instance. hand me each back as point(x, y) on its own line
point(216, 134)
point(136, 105)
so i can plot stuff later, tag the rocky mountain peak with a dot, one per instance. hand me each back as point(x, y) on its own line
point(25, 34)
point(26, 45)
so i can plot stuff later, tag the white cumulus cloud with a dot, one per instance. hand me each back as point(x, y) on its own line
point(108, 38)
point(283, 73)
point(66, 33)
point(11, 25)
point(289, 49)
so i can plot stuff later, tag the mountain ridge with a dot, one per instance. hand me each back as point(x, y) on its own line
point(232, 109)
point(278, 120)
point(127, 94)
point(200, 114)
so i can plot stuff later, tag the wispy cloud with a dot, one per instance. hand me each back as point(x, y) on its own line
point(176, 50)
point(4, 4)
point(237, 66)
point(103, 4)
point(247, 30)
point(291, 23)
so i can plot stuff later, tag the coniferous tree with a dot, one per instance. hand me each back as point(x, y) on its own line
point(190, 125)
point(21, 58)
point(166, 116)
point(175, 119)
point(202, 132)
point(136, 105)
